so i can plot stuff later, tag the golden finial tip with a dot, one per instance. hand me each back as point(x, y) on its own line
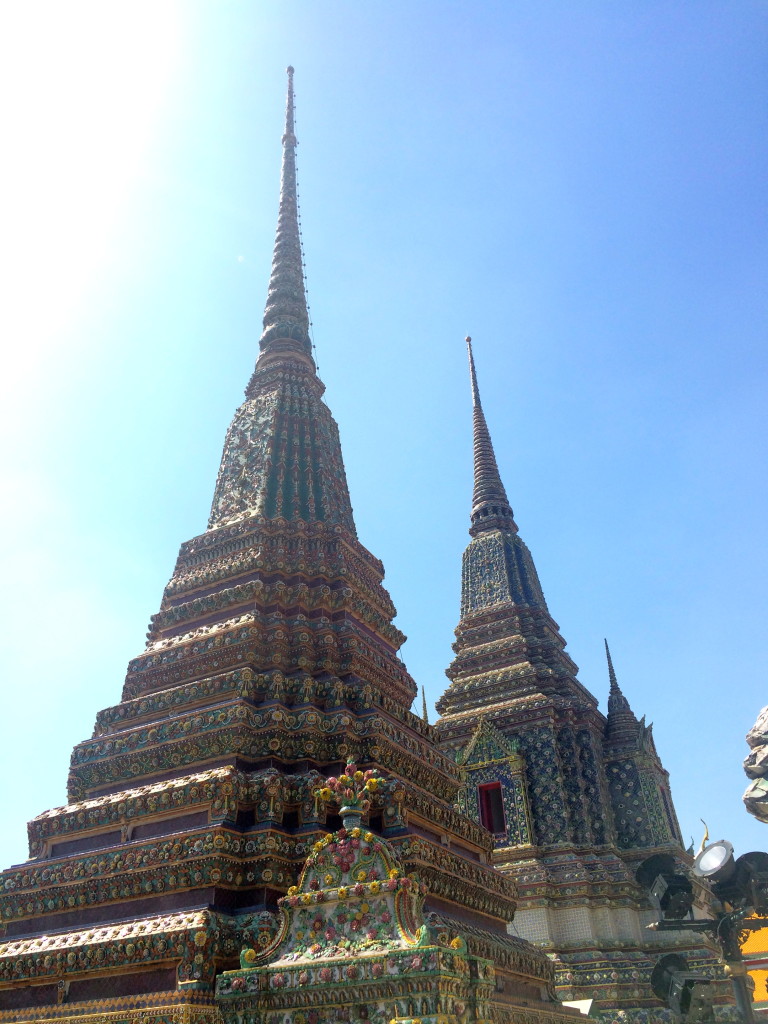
point(468, 339)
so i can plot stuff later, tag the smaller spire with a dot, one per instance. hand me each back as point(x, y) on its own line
point(424, 712)
point(490, 506)
point(615, 691)
point(622, 724)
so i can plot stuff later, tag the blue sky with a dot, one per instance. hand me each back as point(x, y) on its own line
point(579, 186)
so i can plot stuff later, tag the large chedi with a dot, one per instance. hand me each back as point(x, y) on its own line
point(578, 804)
point(195, 804)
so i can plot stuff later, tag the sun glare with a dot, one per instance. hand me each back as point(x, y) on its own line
point(82, 84)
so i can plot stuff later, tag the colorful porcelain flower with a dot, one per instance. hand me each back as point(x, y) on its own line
point(351, 789)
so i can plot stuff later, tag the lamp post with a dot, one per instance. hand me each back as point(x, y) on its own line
point(741, 888)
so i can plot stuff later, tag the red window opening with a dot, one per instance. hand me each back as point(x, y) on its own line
point(491, 807)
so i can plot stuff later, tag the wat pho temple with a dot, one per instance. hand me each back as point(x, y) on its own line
point(262, 831)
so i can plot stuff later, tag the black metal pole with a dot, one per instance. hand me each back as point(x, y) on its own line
point(742, 993)
point(728, 933)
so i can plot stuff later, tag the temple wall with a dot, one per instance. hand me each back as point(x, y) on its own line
point(574, 926)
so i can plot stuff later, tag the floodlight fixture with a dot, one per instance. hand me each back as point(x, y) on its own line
point(672, 896)
point(715, 862)
point(687, 994)
point(751, 876)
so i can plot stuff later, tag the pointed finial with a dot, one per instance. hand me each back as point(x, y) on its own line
point(286, 318)
point(705, 837)
point(611, 673)
point(622, 725)
point(289, 138)
point(490, 506)
point(472, 374)
point(424, 713)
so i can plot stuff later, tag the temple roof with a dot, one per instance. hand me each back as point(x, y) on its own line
point(488, 745)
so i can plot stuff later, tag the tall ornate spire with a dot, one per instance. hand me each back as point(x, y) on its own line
point(282, 456)
point(622, 724)
point(490, 506)
point(286, 319)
